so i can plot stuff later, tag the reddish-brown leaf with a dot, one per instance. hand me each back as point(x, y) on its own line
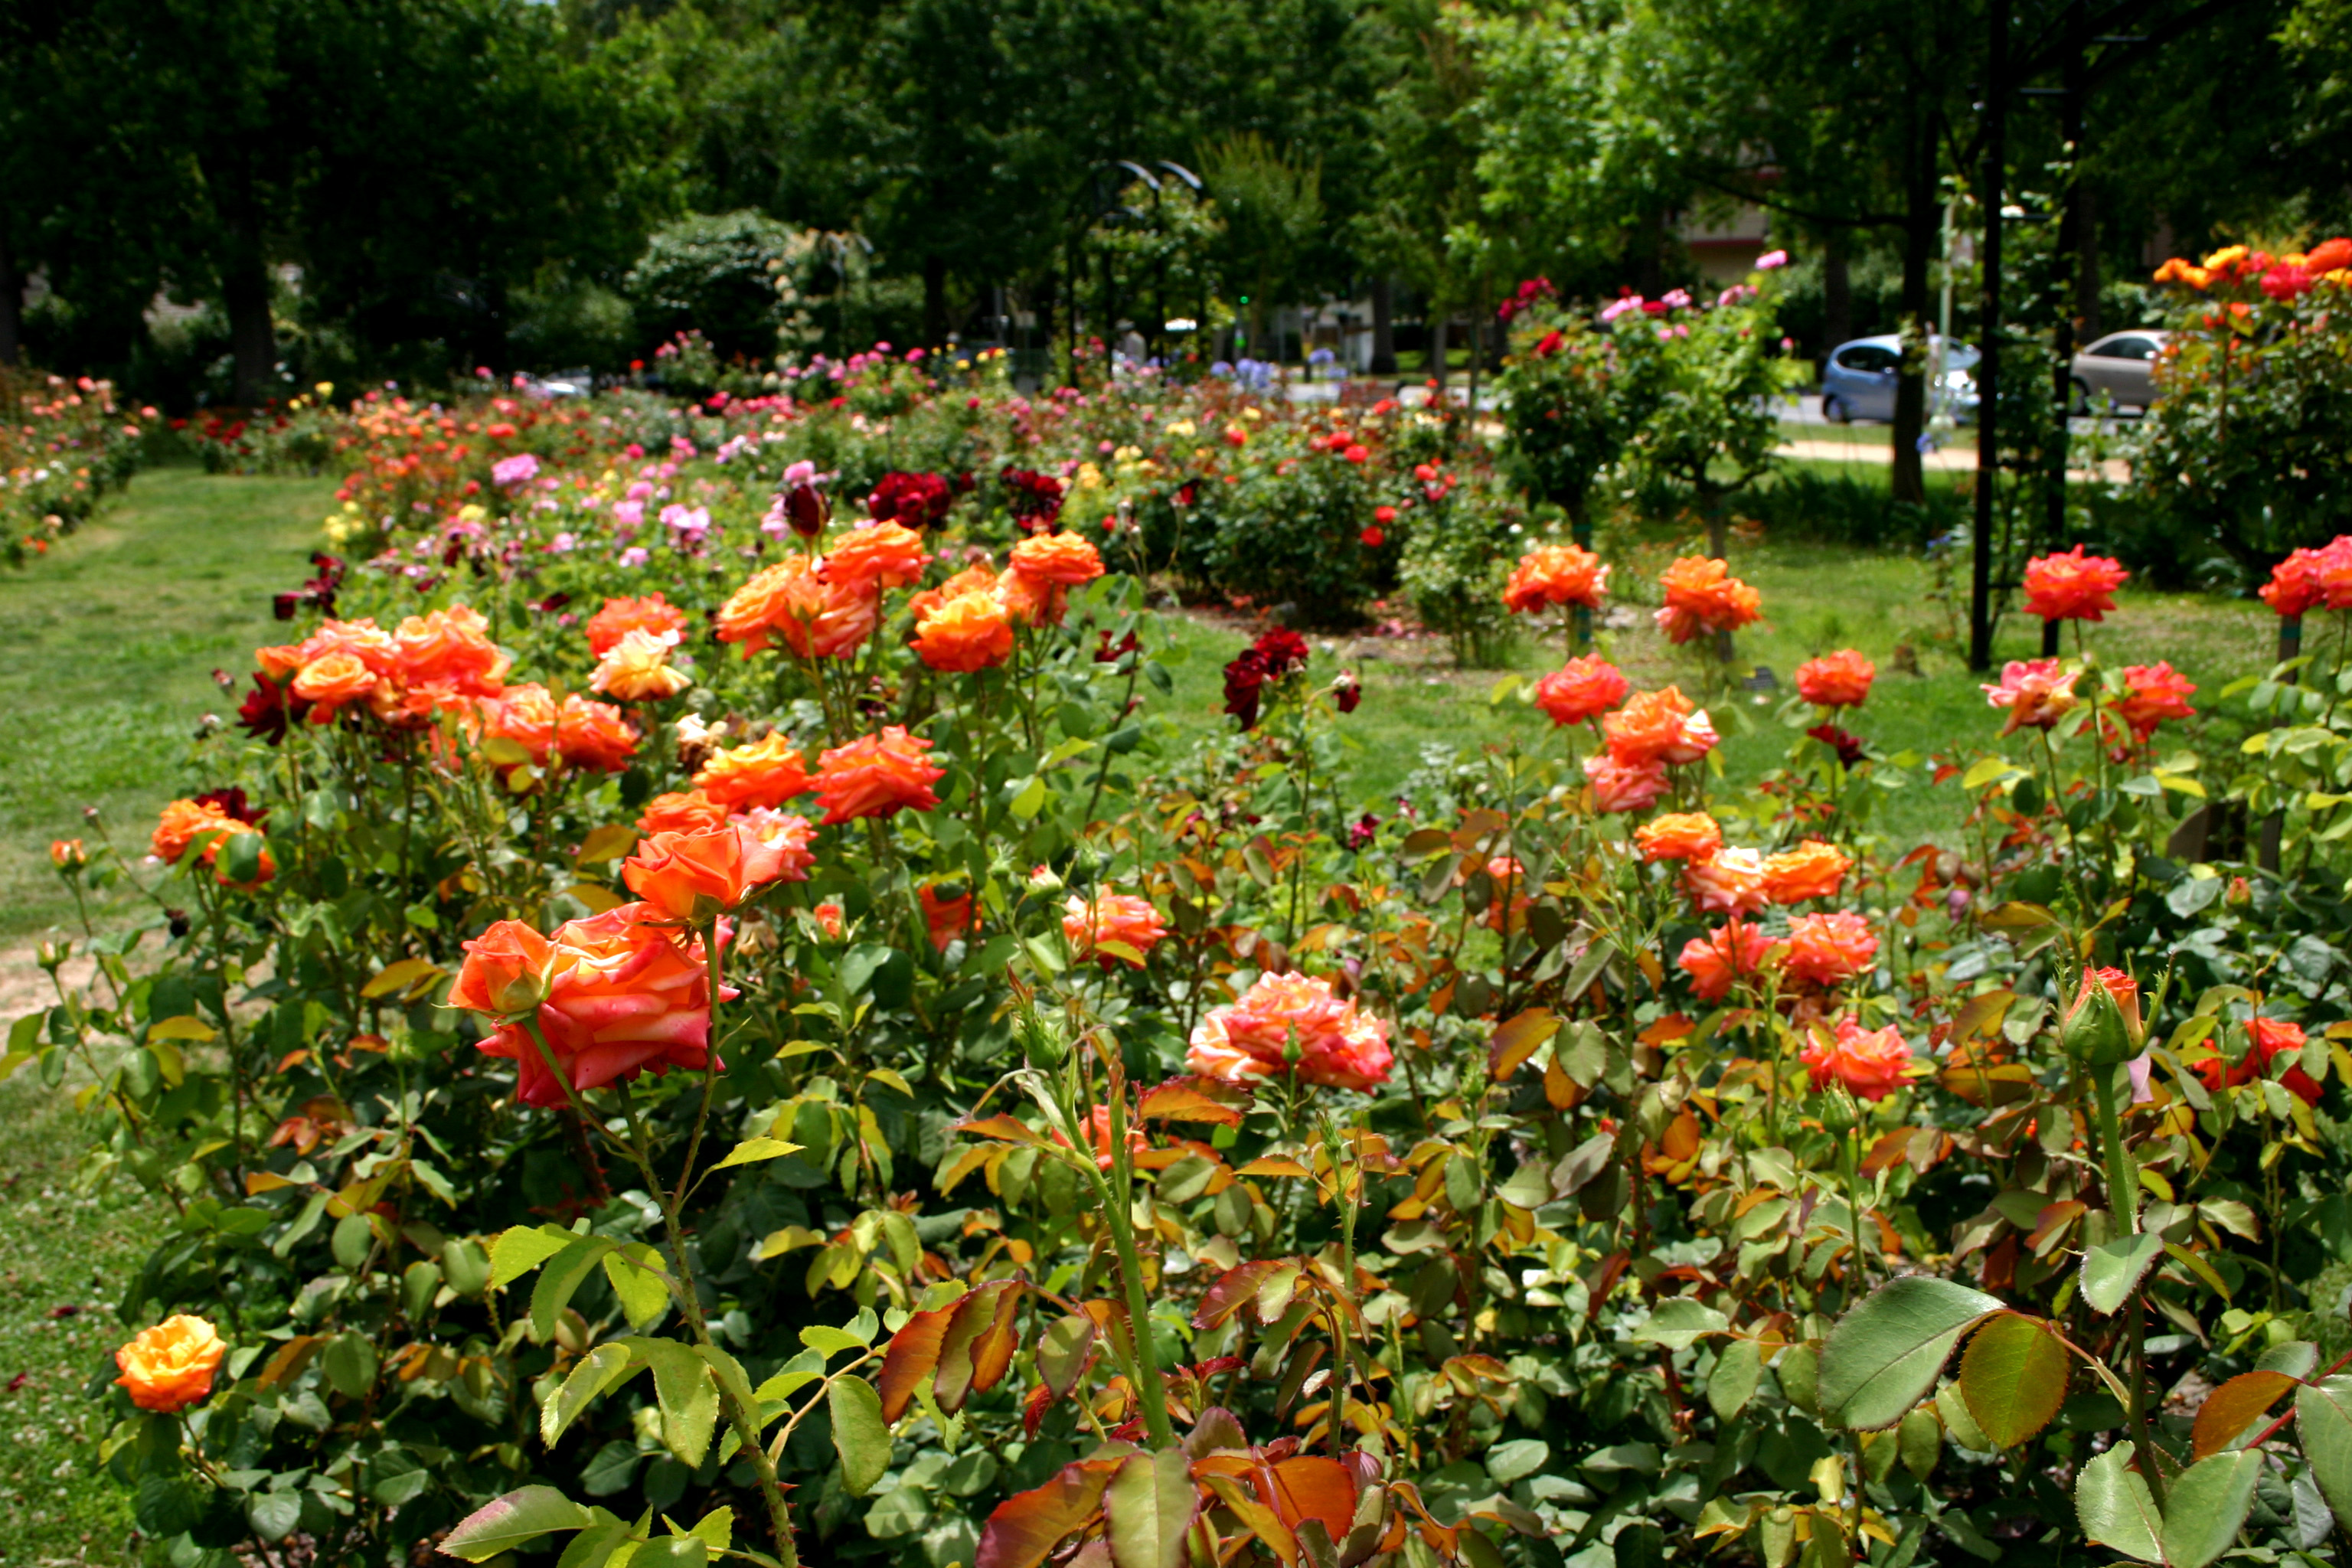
point(974, 1316)
point(914, 1353)
point(1309, 1485)
point(991, 1352)
point(2237, 1405)
point(1027, 1526)
point(1236, 1288)
point(1004, 1127)
point(1256, 1517)
point(1195, 1099)
point(1516, 1040)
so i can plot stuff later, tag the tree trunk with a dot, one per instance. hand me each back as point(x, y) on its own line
point(935, 301)
point(1837, 297)
point(1438, 348)
point(245, 282)
point(1908, 480)
point(2086, 260)
point(12, 301)
point(1383, 328)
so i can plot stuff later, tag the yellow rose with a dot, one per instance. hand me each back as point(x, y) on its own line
point(170, 1366)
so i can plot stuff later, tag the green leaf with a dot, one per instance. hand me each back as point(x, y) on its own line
point(1677, 1323)
point(755, 1149)
point(2112, 1268)
point(1733, 1381)
point(689, 1397)
point(859, 1434)
point(2013, 1377)
point(2206, 1506)
point(515, 1520)
point(671, 1551)
point(595, 1545)
point(523, 1248)
point(640, 1283)
point(2323, 1419)
point(716, 1528)
point(1149, 1506)
point(1883, 1357)
point(600, 1371)
point(2116, 1507)
point(350, 1365)
point(564, 1274)
point(273, 1515)
point(1516, 1459)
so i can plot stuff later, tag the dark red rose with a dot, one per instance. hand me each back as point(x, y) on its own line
point(269, 708)
point(807, 510)
point(231, 801)
point(912, 500)
point(1847, 746)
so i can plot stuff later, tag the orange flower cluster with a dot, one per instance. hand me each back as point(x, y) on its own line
point(1552, 575)
point(1291, 1023)
point(1584, 688)
point(696, 876)
point(429, 663)
point(652, 615)
point(2307, 579)
point(183, 822)
point(169, 1367)
point(1841, 679)
point(1702, 595)
point(768, 772)
point(616, 994)
point(876, 775)
point(2281, 278)
point(1111, 928)
point(2072, 586)
point(1870, 1063)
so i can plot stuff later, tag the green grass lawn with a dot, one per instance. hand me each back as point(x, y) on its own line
point(117, 631)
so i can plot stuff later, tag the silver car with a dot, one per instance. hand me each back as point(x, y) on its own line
point(2118, 367)
point(1858, 381)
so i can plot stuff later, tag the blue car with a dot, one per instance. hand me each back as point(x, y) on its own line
point(1858, 383)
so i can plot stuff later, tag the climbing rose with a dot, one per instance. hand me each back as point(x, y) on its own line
point(1584, 688)
point(1841, 679)
point(1338, 1046)
point(1870, 1063)
point(2072, 586)
point(169, 1367)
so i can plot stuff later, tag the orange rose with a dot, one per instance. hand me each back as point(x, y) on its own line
point(626, 994)
point(782, 836)
point(693, 876)
point(2072, 586)
point(67, 854)
point(828, 917)
point(768, 772)
point(1555, 575)
point(1658, 727)
point(1829, 948)
point(1841, 679)
point(968, 632)
point(1702, 595)
point(505, 970)
point(2036, 692)
point(815, 616)
point(1336, 1045)
point(1031, 601)
point(621, 617)
point(333, 680)
point(638, 670)
point(1584, 688)
point(362, 639)
point(1064, 560)
point(450, 648)
point(754, 610)
point(2153, 693)
point(169, 1367)
point(1811, 870)
point(185, 821)
point(1114, 927)
point(1679, 835)
point(1872, 1064)
point(1731, 951)
point(1729, 881)
point(1624, 786)
point(682, 812)
point(595, 736)
point(525, 715)
point(949, 920)
point(876, 556)
point(979, 577)
point(876, 775)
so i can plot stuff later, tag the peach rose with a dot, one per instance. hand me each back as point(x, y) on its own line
point(1702, 595)
point(1624, 786)
point(1064, 560)
point(682, 812)
point(593, 735)
point(169, 1367)
point(2036, 692)
point(1658, 727)
point(971, 631)
point(768, 772)
point(877, 556)
point(1841, 679)
point(2072, 586)
point(1732, 951)
point(1870, 1063)
point(362, 639)
point(334, 681)
point(876, 775)
point(1729, 881)
point(626, 994)
point(637, 668)
point(1811, 870)
point(1584, 688)
point(1829, 949)
point(1679, 835)
point(1555, 575)
point(526, 714)
point(1338, 1046)
point(1121, 919)
point(694, 876)
point(620, 616)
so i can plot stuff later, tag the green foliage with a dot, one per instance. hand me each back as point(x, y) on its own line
point(737, 277)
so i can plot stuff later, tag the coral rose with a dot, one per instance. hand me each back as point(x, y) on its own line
point(451, 650)
point(1064, 560)
point(637, 668)
point(879, 555)
point(2037, 693)
point(2072, 586)
point(169, 1367)
point(1829, 949)
point(1584, 688)
point(1624, 786)
point(525, 715)
point(1338, 1046)
point(505, 971)
point(2153, 693)
point(2271, 1039)
point(949, 919)
point(626, 994)
point(1114, 927)
point(969, 632)
point(876, 775)
point(1870, 1063)
point(1811, 870)
point(1841, 679)
point(620, 616)
point(694, 876)
point(768, 772)
point(334, 681)
point(1555, 575)
point(593, 735)
point(682, 812)
point(979, 577)
point(1679, 835)
point(1731, 951)
point(1658, 727)
point(2307, 579)
point(815, 616)
point(1729, 881)
point(1702, 595)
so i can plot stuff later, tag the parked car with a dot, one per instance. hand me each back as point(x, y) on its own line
point(1858, 382)
point(2119, 365)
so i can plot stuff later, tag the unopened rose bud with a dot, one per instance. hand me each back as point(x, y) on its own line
point(1044, 880)
point(807, 509)
point(67, 854)
point(2240, 890)
point(52, 955)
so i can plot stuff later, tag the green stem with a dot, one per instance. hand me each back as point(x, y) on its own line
point(1119, 1197)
